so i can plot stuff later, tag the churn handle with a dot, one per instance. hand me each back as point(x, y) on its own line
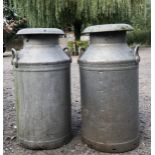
point(14, 57)
point(64, 49)
point(67, 53)
point(136, 53)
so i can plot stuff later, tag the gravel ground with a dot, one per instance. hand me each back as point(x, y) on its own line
point(76, 147)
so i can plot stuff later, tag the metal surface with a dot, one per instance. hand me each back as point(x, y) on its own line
point(40, 31)
point(109, 92)
point(42, 82)
point(107, 28)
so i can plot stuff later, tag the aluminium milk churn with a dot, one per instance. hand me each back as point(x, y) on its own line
point(109, 89)
point(42, 85)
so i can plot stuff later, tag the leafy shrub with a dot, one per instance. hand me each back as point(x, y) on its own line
point(82, 44)
point(12, 22)
point(74, 45)
point(140, 37)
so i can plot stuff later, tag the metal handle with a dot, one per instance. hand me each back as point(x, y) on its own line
point(14, 57)
point(136, 53)
point(66, 50)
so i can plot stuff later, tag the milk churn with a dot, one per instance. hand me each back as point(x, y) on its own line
point(42, 85)
point(109, 89)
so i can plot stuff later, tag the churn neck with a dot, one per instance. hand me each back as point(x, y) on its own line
point(40, 39)
point(40, 36)
point(108, 33)
point(108, 37)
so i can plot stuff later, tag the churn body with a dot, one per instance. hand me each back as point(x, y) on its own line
point(42, 85)
point(109, 90)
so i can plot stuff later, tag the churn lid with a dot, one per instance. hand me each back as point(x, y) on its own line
point(107, 28)
point(28, 31)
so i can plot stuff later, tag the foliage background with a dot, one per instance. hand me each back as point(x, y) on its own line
point(75, 15)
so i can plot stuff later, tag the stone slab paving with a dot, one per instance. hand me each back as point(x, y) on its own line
point(76, 147)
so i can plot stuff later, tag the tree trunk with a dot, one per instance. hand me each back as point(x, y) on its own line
point(77, 33)
point(77, 29)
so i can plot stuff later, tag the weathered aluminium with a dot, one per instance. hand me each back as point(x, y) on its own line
point(109, 90)
point(42, 85)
